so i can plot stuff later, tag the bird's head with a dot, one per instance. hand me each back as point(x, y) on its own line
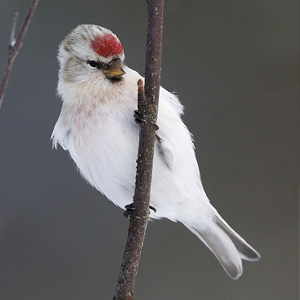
point(90, 54)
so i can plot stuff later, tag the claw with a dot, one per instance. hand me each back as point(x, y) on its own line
point(153, 208)
point(129, 211)
point(155, 125)
point(139, 119)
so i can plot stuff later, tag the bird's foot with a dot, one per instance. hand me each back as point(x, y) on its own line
point(129, 212)
point(140, 120)
point(137, 117)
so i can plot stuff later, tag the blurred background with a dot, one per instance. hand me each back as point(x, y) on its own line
point(234, 65)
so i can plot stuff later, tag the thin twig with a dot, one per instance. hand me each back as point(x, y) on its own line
point(147, 107)
point(15, 45)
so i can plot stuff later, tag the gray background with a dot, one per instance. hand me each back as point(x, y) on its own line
point(234, 66)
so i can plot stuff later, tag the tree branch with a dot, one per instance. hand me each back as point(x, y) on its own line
point(147, 107)
point(15, 45)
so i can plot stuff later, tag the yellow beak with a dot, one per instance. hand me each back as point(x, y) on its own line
point(114, 73)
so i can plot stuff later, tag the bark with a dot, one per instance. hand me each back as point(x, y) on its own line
point(147, 107)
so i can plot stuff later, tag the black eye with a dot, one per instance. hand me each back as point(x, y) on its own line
point(93, 63)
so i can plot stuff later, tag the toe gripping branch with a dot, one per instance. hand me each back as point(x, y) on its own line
point(140, 120)
point(129, 212)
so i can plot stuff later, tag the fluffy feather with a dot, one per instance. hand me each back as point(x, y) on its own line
point(97, 127)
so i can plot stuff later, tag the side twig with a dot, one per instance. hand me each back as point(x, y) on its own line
point(147, 107)
point(15, 45)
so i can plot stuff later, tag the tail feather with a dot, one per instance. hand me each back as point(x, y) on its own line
point(228, 247)
point(245, 250)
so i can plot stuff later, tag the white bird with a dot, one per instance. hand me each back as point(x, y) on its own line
point(97, 127)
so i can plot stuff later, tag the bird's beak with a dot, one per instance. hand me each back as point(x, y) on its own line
point(114, 73)
point(114, 69)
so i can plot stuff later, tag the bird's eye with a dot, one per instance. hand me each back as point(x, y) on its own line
point(93, 63)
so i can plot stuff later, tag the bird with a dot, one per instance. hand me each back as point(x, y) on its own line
point(96, 125)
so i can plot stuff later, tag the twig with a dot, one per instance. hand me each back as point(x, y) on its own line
point(147, 107)
point(15, 45)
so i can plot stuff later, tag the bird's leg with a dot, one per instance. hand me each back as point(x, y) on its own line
point(130, 211)
point(139, 119)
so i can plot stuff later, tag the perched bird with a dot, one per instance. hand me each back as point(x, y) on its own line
point(97, 127)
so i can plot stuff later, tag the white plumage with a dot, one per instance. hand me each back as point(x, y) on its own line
point(97, 127)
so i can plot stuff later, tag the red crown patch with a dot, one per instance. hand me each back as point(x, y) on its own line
point(106, 45)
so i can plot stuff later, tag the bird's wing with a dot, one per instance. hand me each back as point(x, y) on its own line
point(165, 149)
point(173, 140)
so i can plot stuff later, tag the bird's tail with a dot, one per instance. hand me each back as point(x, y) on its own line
point(228, 247)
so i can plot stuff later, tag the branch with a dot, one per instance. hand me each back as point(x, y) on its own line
point(147, 107)
point(15, 45)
